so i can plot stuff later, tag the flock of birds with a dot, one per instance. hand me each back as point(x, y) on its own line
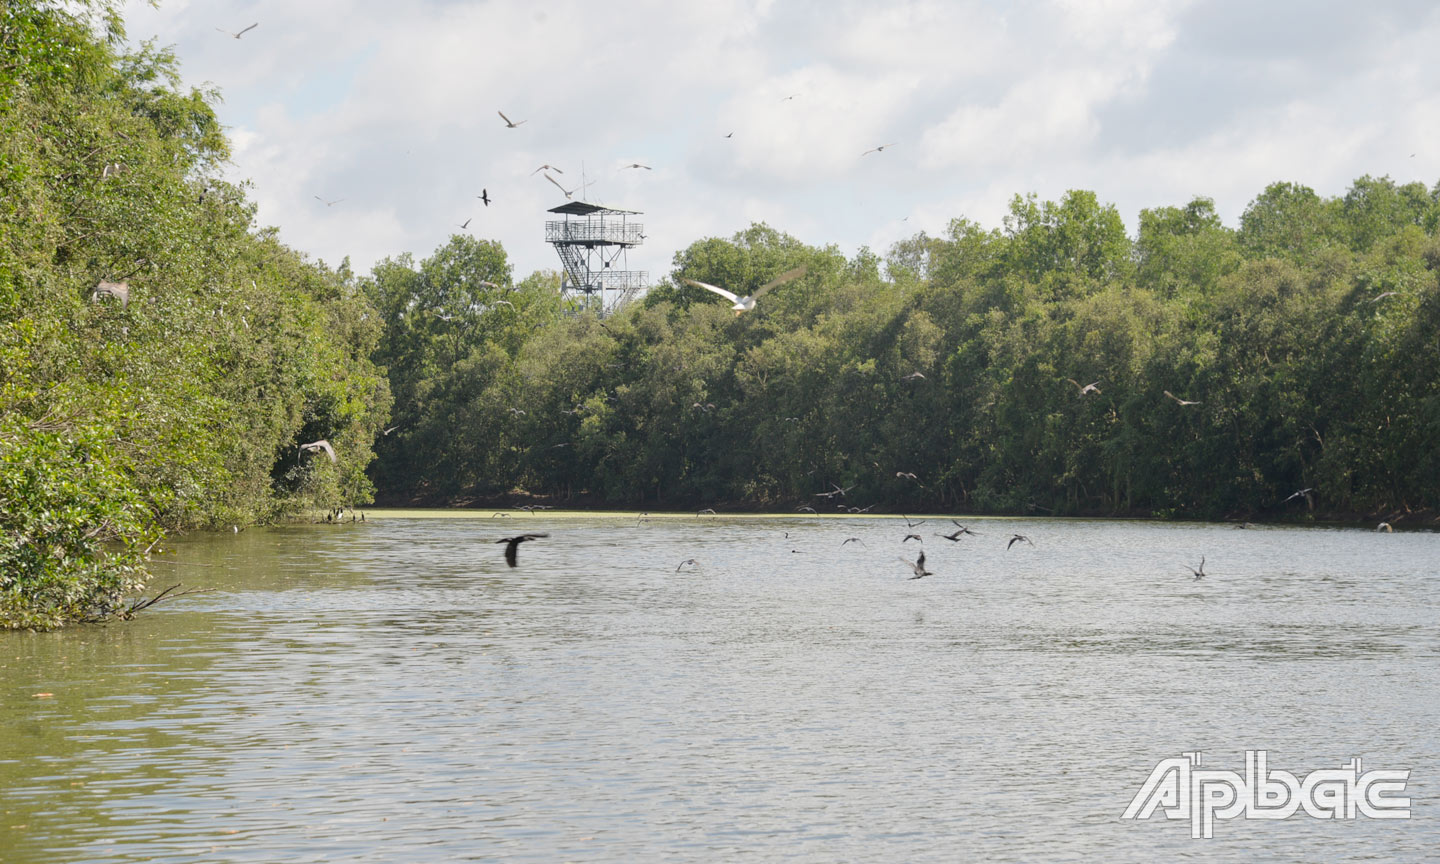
point(917, 567)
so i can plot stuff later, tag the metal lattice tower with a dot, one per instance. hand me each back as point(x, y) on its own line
point(592, 241)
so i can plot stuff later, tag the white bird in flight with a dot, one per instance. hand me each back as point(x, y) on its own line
point(320, 446)
point(745, 304)
point(241, 33)
point(509, 124)
point(879, 149)
point(568, 192)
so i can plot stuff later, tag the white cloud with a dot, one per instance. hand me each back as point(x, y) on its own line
point(393, 108)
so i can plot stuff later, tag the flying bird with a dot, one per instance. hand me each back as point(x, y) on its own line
point(745, 304)
point(1198, 571)
point(484, 196)
point(853, 540)
point(963, 529)
point(318, 446)
point(687, 562)
point(880, 148)
point(910, 476)
point(1085, 388)
point(1378, 297)
point(912, 376)
point(637, 165)
point(909, 537)
point(512, 542)
point(119, 290)
point(1384, 526)
point(567, 192)
point(547, 165)
point(241, 33)
point(1178, 400)
point(835, 490)
point(1016, 538)
point(729, 134)
point(1305, 492)
point(466, 224)
point(918, 566)
point(328, 203)
point(508, 125)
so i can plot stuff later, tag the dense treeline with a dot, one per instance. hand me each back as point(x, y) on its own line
point(180, 400)
point(1231, 367)
point(1307, 337)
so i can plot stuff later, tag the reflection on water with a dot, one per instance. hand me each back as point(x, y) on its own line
point(391, 691)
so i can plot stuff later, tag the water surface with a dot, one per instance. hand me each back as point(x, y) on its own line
point(391, 691)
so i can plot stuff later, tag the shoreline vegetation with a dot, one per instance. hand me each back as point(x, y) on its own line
point(166, 364)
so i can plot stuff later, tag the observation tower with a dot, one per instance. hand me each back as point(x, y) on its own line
point(592, 241)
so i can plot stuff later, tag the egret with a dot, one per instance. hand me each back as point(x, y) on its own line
point(745, 304)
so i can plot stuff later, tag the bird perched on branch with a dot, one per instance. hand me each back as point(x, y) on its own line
point(512, 542)
point(745, 304)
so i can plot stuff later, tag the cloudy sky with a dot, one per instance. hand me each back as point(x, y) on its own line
point(391, 105)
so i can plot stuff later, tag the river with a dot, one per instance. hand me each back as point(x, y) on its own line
point(391, 691)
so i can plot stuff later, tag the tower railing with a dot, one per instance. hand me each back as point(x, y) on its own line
point(594, 233)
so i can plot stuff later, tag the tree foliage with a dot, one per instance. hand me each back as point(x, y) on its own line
point(182, 402)
point(1301, 338)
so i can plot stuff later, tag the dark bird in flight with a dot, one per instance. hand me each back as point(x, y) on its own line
point(918, 566)
point(328, 203)
point(320, 446)
point(508, 123)
point(1016, 538)
point(954, 538)
point(909, 524)
point(119, 290)
point(853, 540)
point(1198, 571)
point(909, 537)
point(729, 134)
point(512, 542)
point(1178, 400)
point(241, 33)
point(637, 165)
point(688, 561)
point(805, 508)
point(1085, 388)
point(466, 224)
point(880, 148)
point(963, 529)
point(484, 196)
